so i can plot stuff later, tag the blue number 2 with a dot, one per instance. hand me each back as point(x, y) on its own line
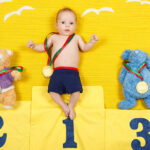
point(3, 138)
point(144, 133)
point(70, 134)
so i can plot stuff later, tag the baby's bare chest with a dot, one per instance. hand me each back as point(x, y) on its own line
point(71, 47)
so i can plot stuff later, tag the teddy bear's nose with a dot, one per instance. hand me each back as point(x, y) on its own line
point(136, 51)
point(1, 57)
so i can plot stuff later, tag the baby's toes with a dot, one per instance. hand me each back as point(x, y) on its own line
point(67, 111)
point(72, 115)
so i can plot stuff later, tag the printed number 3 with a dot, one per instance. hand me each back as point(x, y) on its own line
point(70, 134)
point(3, 138)
point(144, 133)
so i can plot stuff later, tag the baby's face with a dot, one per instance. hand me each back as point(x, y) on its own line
point(66, 23)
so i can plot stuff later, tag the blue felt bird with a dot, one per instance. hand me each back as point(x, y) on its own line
point(135, 77)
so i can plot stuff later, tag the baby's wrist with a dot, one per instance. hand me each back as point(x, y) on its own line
point(33, 46)
point(92, 41)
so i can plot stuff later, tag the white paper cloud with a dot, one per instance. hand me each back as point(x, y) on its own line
point(18, 12)
point(142, 2)
point(97, 11)
point(3, 1)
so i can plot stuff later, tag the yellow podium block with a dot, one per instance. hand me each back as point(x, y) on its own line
point(122, 127)
point(15, 127)
point(48, 130)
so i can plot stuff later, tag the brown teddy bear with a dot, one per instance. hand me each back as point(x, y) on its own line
point(7, 76)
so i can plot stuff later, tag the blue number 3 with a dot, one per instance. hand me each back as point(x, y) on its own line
point(3, 138)
point(144, 133)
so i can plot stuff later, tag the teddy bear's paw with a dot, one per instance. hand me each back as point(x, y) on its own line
point(127, 104)
point(7, 107)
point(16, 75)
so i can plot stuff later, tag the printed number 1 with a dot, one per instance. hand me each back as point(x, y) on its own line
point(70, 134)
point(3, 138)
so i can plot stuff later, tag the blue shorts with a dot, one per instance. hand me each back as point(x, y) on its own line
point(65, 81)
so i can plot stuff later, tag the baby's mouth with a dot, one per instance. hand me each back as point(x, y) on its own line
point(67, 30)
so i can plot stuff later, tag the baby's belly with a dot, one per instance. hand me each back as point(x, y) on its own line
point(69, 61)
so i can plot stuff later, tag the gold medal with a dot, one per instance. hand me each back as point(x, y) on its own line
point(47, 71)
point(142, 87)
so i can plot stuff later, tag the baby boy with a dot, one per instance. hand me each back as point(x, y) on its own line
point(65, 78)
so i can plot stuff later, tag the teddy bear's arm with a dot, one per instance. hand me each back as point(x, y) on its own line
point(122, 75)
point(16, 75)
point(148, 63)
point(10, 77)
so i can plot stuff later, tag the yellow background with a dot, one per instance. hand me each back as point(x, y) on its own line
point(127, 27)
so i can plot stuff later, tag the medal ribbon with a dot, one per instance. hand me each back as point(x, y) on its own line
point(18, 68)
point(58, 52)
point(134, 72)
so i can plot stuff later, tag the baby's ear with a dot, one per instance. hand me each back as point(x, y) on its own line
point(126, 54)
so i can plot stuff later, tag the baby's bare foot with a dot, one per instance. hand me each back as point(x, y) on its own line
point(72, 113)
point(66, 109)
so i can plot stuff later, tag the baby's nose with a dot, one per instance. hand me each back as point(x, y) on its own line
point(1, 57)
point(67, 24)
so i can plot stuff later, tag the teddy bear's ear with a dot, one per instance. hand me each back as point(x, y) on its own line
point(126, 54)
point(9, 52)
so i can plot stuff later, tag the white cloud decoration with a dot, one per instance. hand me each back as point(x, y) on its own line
point(97, 11)
point(141, 2)
point(3, 1)
point(18, 12)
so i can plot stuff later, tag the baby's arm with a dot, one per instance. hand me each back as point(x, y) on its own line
point(87, 46)
point(39, 47)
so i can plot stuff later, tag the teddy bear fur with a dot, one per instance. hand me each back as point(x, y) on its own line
point(8, 98)
point(129, 80)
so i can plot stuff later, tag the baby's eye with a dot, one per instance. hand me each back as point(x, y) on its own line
point(71, 23)
point(63, 22)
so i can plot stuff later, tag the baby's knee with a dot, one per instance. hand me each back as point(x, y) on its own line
point(53, 94)
point(77, 94)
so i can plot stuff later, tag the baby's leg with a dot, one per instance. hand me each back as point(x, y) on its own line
point(73, 100)
point(58, 99)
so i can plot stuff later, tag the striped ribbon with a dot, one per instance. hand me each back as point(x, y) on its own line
point(18, 68)
point(49, 62)
point(134, 72)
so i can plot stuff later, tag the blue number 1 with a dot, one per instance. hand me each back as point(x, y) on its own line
point(70, 134)
point(3, 138)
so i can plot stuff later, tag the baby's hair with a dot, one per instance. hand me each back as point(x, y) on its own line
point(65, 10)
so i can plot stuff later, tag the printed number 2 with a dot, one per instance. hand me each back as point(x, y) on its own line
point(3, 138)
point(144, 133)
point(70, 134)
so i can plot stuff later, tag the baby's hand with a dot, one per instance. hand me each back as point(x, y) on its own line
point(31, 44)
point(94, 38)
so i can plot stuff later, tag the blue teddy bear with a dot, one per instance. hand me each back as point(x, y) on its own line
point(135, 77)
